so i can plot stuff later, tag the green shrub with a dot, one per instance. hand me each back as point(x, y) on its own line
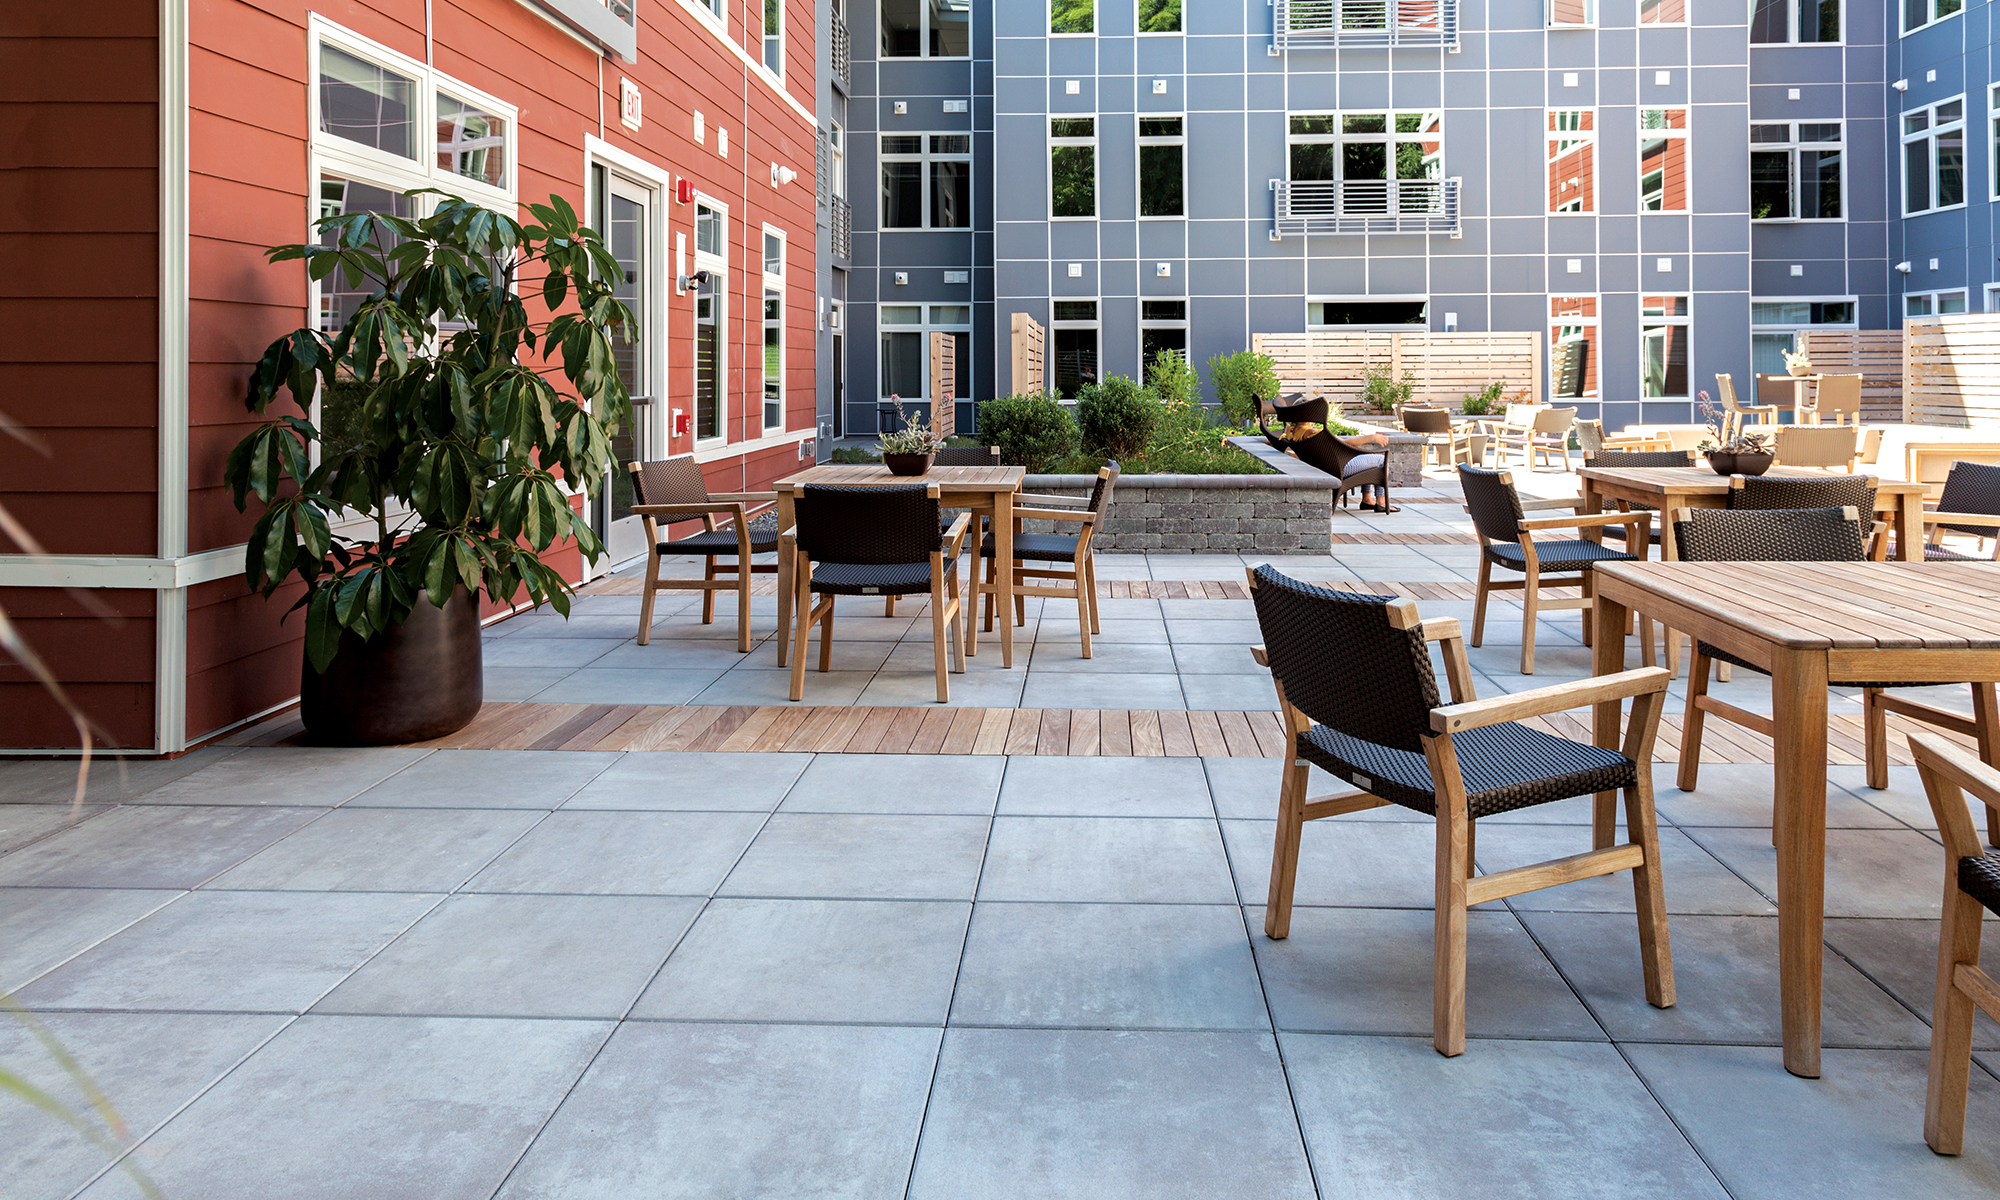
point(1035, 432)
point(1116, 418)
point(852, 455)
point(1485, 402)
point(1382, 392)
point(1240, 380)
point(1172, 379)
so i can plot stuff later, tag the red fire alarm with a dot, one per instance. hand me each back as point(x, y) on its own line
point(684, 191)
point(681, 426)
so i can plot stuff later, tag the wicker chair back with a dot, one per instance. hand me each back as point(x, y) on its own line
point(1971, 488)
point(1640, 458)
point(1765, 491)
point(1343, 664)
point(1494, 504)
point(967, 456)
point(869, 526)
point(669, 481)
point(1100, 492)
point(1773, 535)
point(1426, 420)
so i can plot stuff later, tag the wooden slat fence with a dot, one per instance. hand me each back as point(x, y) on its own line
point(1447, 366)
point(1951, 371)
point(1029, 379)
point(1874, 354)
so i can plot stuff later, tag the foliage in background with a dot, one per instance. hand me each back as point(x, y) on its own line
point(1172, 379)
point(1072, 16)
point(1192, 439)
point(910, 437)
point(1240, 380)
point(1117, 417)
point(465, 442)
point(1160, 16)
point(1035, 432)
point(1487, 401)
point(1382, 392)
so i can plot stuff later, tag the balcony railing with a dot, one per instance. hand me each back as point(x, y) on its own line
point(1347, 24)
point(840, 232)
point(843, 74)
point(1428, 206)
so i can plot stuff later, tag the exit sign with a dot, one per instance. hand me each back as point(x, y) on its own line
point(628, 104)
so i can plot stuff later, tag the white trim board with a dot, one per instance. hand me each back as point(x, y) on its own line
point(709, 454)
point(170, 610)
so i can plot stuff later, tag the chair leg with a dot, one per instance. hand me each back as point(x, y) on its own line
point(708, 595)
point(939, 621)
point(889, 605)
point(1090, 588)
point(990, 597)
point(957, 625)
point(802, 619)
point(1875, 730)
point(1589, 590)
point(1020, 601)
point(1656, 954)
point(1479, 599)
point(1691, 721)
point(1082, 610)
point(1986, 715)
point(826, 637)
point(1285, 847)
point(1448, 967)
point(646, 600)
point(743, 575)
point(1951, 1024)
point(1530, 595)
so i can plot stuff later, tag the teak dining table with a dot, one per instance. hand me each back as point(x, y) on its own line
point(1805, 622)
point(984, 490)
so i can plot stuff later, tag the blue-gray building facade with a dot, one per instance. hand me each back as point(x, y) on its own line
point(1665, 189)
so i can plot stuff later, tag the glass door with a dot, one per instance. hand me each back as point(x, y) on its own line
point(623, 210)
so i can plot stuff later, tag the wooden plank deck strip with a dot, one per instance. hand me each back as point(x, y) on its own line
point(819, 720)
point(992, 735)
point(541, 721)
point(902, 731)
point(718, 732)
point(932, 731)
point(1176, 736)
point(842, 730)
point(1083, 733)
point(595, 732)
point(687, 731)
point(654, 732)
point(1148, 741)
point(1236, 735)
point(1024, 732)
point(1114, 733)
point(1207, 733)
point(745, 736)
point(874, 727)
point(964, 735)
point(1053, 737)
point(1269, 732)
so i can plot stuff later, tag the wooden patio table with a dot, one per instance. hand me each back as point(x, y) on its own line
point(1805, 623)
point(982, 489)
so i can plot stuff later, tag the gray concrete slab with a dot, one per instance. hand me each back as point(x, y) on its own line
point(608, 685)
point(1869, 873)
point(1693, 880)
point(139, 847)
point(1052, 689)
point(1901, 957)
point(899, 783)
point(487, 779)
point(692, 781)
point(1111, 860)
point(41, 928)
point(382, 850)
point(110, 779)
point(24, 823)
point(862, 856)
point(287, 775)
point(1368, 864)
point(623, 853)
point(1107, 787)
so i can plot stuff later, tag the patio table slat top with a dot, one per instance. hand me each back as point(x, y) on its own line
point(1702, 481)
point(984, 479)
point(1831, 606)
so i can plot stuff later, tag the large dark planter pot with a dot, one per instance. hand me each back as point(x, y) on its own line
point(1740, 464)
point(908, 464)
point(409, 683)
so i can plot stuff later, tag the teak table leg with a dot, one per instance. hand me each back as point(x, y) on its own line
point(786, 519)
point(1003, 574)
point(1910, 527)
point(1798, 694)
point(1607, 658)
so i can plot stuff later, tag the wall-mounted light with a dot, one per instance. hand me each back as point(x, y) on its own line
point(902, 108)
point(1798, 270)
point(1934, 263)
point(902, 279)
point(1076, 270)
point(1451, 322)
point(1159, 87)
point(1791, 93)
point(1163, 270)
point(1663, 265)
point(1904, 267)
point(1574, 266)
point(695, 280)
point(780, 176)
point(1901, 85)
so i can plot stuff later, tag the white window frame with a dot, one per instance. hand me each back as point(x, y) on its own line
point(1932, 128)
point(1364, 298)
point(1902, 13)
point(1643, 23)
point(773, 283)
point(1181, 32)
point(1560, 143)
point(1934, 301)
point(1145, 323)
point(1555, 323)
point(1993, 142)
point(715, 13)
point(1589, 16)
point(927, 324)
point(925, 156)
point(1138, 166)
point(1992, 293)
point(1791, 148)
point(1096, 164)
point(836, 148)
point(1390, 137)
point(1680, 135)
point(1792, 25)
point(717, 264)
point(1793, 328)
point(1095, 325)
point(1049, 27)
point(923, 42)
point(765, 43)
point(636, 172)
point(1685, 322)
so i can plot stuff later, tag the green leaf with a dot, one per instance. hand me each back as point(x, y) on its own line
point(322, 628)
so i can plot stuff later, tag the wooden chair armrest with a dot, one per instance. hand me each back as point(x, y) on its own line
point(1560, 697)
point(745, 498)
point(1581, 521)
point(1053, 514)
point(1040, 501)
point(955, 535)
point(1257, 652)
point(1983, 520)
point(1941, 762)
point(1559, 502)
point(686, 510)
point(1438, 629)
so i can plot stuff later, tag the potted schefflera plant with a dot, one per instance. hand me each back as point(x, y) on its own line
point(437, 472)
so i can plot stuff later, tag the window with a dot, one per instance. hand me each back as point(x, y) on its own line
point(1795, 21)
point(1366, 146)
point(1919, 13)
point(366, 103)
point(774, 330)
point(1159, 16)
point(836, 146)
point(1572, 13)
point(369, 106)
point(1795, 172)
point(927, 181)
point(1934, 304)
point(1163, 327)
point(1774, 324)
point(711, 255)
point(712, 7)
point(1573, 347)
point(1993, 135)
point(1663, 12)
point(1934, 157)
point(1162, 167)
point(1663, 173)
point(339, 196)
point(471, 143)
point(774, 37)
point(1072, 16)
point(906, 339)
point(1072, 167)
point(1663, 347)
point(1573, 160)
point(1073, 330)
point(926, 28)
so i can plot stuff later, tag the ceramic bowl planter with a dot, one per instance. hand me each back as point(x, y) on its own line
point(411, 682)
point(1724, 462)
point(908, 464)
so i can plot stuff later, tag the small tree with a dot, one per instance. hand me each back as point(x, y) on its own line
point(1116, 418)
point(1240, 380)
point(1172, 379)
point(1035, 432)
point(456, 448)
point(1382, 392)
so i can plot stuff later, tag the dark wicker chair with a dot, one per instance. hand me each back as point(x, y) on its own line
point(1358, 699)
point(1435, 425)
point(874, 541)
point(1636, 458)
point(1507, 540)
point(1833, 491)
point(1971, 884)
point(1054, 550)
point(671, 491)
point(1803, 535)
point(956, 456)
point(1355, 465)
point(1970, 504)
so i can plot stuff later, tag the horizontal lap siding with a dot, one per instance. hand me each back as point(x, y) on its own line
point(100, 644)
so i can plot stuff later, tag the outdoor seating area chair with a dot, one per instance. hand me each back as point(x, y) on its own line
point(1834, 491)
point(1594, 441)
point(1507, 540)
point(1053, 549)
point(1777, 395)
point(874, 541)
point(1971, 885)
point(671, 491)
point(1546, 434)
point(1358, 699)
point(1435, 425)
point(1346, 459)
point(1970, 504)
point(956, 456)
point(1802, 535)
point(1835, 399)
point(1636, 458)
point(1833, 447)
point(1292, 408)
point(1736, 415)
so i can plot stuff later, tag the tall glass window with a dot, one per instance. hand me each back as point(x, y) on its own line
point(1366, 146)
point(774, 37)
point(1795, 21)
point(1571, 13)
point(470, 142)
point(1159, 16)
point(926, 28)
point(1573, 347)
point(774, 330)
point(1665, 325)
point(1072, 167)
point(1934, 157)
point(1663, 12)
point(1919, 13)
point(1795, 172)
point(926, 181)
point(1163, 329)
point(1663, 163)
point(906, 331)
point(1775, 324)
point(1572, 151)
point(1073, 335)
point(1162, 167)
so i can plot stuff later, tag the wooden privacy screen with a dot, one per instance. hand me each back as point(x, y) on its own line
point(1874, 354)
point(944, 379)
point(1447, 366)
point(1028, 377)
point(1951, 371)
